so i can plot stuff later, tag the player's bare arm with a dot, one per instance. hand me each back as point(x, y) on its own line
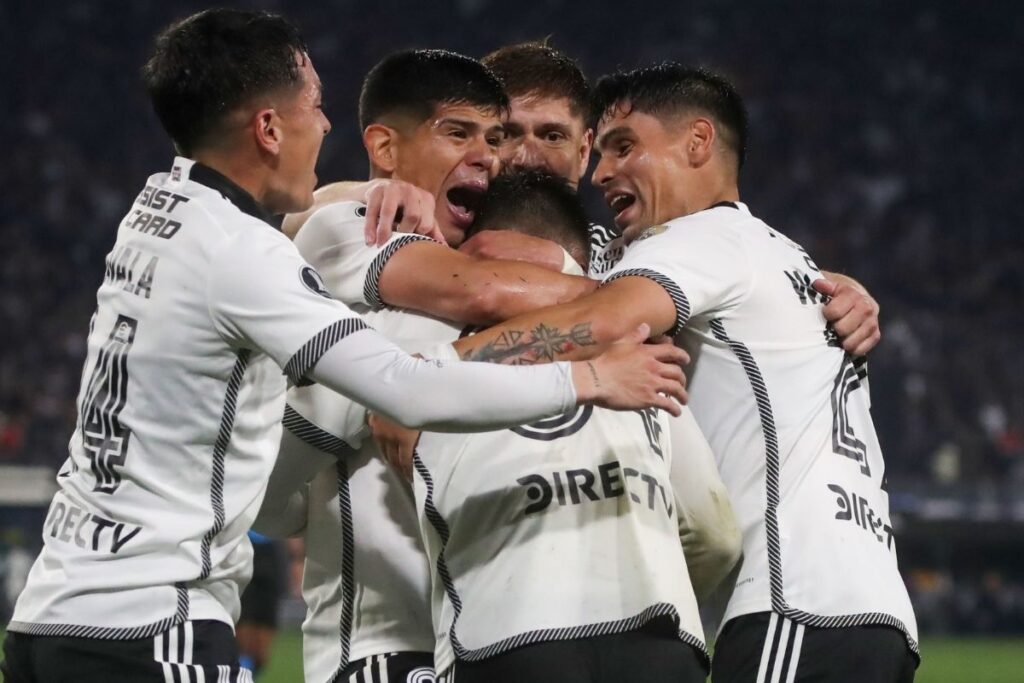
point(575, 330)
point(514, 246)
point(434, 279)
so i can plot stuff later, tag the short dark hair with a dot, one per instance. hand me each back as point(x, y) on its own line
point(669, 89)
point(539, 204)
point(536, 68)
point(209, 64)
point(413, 82)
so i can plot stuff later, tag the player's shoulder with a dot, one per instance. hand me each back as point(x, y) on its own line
point(335, 223)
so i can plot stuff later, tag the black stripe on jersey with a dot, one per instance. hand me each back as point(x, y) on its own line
point(348, 572)
point(220, 447)
point(313, 350)
point(314, 436)
point(371, 286)
point(678, 298)
point(772, 471)
point(103, 633)
point(542, 635)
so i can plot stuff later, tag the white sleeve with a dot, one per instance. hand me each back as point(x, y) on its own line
point(703, 266)
point(332, 242)
point(285, 507)
point(707, 526)
point(263, 296)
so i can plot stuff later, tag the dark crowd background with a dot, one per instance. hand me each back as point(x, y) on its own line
point(886, 138)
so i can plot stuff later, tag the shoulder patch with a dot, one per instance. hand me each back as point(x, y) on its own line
point(313, 282)
point(651, 232)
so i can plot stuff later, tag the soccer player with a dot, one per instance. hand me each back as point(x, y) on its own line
point(202, 306)
point(785, 409)
point(432, 118)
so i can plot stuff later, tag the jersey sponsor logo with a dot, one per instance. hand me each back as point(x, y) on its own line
point(104, 438)
point(313, 282)
point(856, 509)
point(578, 486)
point(156, 198)
point(71, 524)
point(556, 427)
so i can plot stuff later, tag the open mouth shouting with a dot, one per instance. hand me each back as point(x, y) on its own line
point(463, 201)
point(624, 205)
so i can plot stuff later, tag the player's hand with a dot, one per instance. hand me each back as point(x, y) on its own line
point(514, 246)
point(396, 443)
point(398, 206)
point(632, 375)
point(853, 314)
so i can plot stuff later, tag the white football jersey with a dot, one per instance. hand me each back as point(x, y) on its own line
point(179, 413)
point(366, 581)
point(563, 529)
point(787, 417)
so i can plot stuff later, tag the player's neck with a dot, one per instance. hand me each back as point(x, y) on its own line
point(248, 174)
point(706, 190)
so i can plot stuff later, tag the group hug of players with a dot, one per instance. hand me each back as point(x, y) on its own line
point(566, 516)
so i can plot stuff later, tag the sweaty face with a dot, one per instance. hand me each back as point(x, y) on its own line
point(453, 155)
point(303, 125)
point(542, 133)
point(642, 170)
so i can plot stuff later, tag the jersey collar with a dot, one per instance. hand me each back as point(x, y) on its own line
point(245, 202)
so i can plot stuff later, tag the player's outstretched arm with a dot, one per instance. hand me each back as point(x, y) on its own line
point(708, 530)
point(575, 330)
point(433, 279)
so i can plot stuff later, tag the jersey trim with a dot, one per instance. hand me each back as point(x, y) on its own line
point(313, 435)
point(231, 191)
point(220, 447)
point(600, 236)
point(313, 350)
point(682, 304)
point(371, 286)
point(772, 487)
point(541, 635)
point(104, 633)
point(348, 571)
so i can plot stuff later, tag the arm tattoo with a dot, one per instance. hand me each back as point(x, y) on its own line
point(542, 344)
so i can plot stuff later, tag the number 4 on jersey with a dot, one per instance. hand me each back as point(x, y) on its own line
point(104, 438)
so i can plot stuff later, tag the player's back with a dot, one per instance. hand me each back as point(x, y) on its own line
point(176, 428)
point(786, 412)
point(558, 530)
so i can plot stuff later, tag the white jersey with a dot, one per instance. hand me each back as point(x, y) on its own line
point(203, 304)
point(366, 581)
point(179, 413)
point(566, 528)
point(787, 418)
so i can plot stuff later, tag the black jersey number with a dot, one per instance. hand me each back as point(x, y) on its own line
point(104, 437)
point(844, 439)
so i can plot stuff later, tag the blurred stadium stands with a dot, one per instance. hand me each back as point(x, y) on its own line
point(886, 138)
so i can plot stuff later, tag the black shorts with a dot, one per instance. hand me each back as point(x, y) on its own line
point(174, 656)
point(395, 667)
point(762, 647)
point(262, 597)
point(650, 655)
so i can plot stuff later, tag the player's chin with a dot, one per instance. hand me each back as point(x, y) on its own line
point(454, 231)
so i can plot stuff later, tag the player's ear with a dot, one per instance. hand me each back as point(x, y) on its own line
point(585, 147)
point(381, 144)
point(701, 141)
point(267, 130)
